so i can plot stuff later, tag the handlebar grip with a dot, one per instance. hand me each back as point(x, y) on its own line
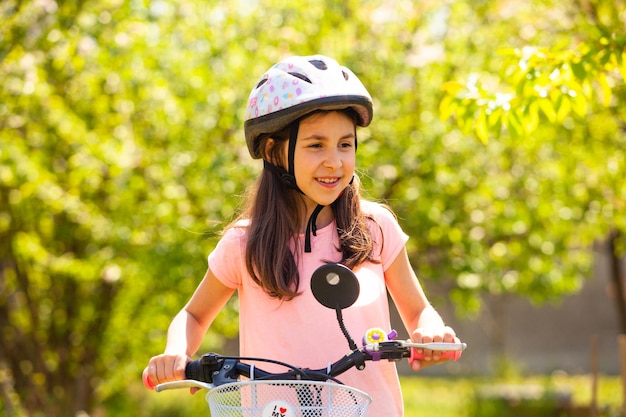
point(193, 370)
point(450, 354)
point(146, 380)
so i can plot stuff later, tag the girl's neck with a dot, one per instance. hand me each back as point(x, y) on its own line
point(324, 218)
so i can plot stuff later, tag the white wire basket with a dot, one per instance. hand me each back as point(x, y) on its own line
point(287, 399)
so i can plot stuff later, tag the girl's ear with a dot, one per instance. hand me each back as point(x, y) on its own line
point(269, 153)
point(264, 147)
point(267, 146)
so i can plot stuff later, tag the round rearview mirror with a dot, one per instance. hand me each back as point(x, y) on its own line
point(335, 286)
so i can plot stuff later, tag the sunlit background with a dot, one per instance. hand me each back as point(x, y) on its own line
point(498, 138)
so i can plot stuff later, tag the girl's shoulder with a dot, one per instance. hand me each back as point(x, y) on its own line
point(385, 229)
point(379, 212)
point(238, 230)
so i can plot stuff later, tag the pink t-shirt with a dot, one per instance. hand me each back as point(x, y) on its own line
point(306, 334)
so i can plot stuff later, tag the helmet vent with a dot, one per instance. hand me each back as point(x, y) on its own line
point(321, 65)
point(345, 75)
point(263, 81)
point(301, 76)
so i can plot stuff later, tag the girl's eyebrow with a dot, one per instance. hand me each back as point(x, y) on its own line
point(322, 137)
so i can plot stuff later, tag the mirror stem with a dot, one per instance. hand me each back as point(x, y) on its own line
point(351, 342)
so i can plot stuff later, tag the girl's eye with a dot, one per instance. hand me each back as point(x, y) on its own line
point(346, 145)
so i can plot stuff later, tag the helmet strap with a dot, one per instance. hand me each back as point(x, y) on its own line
point(291, 155)
point(289, 179)
point(311, 227)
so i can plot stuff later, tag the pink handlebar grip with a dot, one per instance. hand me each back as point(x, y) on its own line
point(146, 380)
point(450, 354)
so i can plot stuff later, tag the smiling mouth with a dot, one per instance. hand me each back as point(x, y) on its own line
point(328, 181)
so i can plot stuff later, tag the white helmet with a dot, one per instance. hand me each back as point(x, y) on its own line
point(300, 85)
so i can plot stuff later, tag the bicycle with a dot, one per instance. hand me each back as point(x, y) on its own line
point(299, 391)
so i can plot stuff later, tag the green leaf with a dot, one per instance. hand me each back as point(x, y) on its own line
point(482, 128)
point(531, 117)
point(607, 91)
point(514, 124)
point(564, 107)
point(447, 106)
point(579, 105)
point(547, 108)
point(578, 69)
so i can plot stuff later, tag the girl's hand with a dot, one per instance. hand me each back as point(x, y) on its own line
point(165, 368)
point(432, 334)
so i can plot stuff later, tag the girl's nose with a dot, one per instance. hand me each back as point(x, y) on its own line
point(333, 159)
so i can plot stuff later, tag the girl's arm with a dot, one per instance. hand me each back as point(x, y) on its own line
point(421, 320)
point(188, 328)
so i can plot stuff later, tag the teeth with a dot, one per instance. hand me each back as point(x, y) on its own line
point(327, 180)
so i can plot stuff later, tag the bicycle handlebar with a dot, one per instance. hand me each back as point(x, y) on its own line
point(215, 370)
point(334, 286)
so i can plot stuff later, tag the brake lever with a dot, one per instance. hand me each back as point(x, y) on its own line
point(438, 346)
point(446, 350)
point(183, 383)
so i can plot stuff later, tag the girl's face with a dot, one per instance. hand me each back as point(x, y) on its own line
point(324, 157)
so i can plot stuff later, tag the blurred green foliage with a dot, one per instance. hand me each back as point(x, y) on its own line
point(122, 157)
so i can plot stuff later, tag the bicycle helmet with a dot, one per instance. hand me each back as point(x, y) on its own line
point(297, 86)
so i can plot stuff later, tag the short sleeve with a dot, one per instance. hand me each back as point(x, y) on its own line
point(227, 260)
point(387, 232)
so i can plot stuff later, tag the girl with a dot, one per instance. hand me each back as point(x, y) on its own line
point(305, 211)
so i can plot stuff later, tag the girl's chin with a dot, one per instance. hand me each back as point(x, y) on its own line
point(325, 200)
point(324, 195)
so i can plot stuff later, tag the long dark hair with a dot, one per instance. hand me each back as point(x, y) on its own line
point(274, 223)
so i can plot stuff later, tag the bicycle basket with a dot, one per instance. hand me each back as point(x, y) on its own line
point(287, 399)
